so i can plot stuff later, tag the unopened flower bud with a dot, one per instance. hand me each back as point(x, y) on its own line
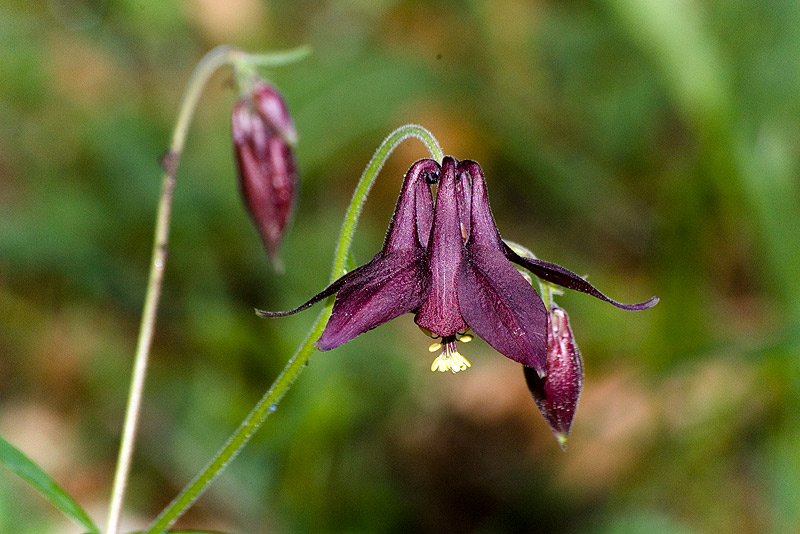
point(557, 393)
point(263, 133)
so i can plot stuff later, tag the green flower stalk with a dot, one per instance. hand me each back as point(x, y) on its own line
point(244, 65)
point(269, 402)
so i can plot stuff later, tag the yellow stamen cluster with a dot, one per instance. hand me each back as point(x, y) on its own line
point(450, 359)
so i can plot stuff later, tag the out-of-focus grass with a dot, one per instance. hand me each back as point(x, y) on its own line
point(650, 145)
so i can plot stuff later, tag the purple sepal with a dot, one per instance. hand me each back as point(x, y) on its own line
point(555, 274)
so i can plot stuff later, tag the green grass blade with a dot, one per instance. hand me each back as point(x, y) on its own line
point(23, 466)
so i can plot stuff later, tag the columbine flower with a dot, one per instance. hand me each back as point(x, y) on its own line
point(263, 133)
point(450, 267)
point(557, 394)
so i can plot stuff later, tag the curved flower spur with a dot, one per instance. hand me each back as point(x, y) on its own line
point(448, 265)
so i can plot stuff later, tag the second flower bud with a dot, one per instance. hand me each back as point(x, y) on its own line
point(263, 135)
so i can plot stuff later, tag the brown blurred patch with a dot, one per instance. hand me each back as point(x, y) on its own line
point(457, 136)
point(230, 21)
point(84, 73)
point(614, 427)
point(50, 439)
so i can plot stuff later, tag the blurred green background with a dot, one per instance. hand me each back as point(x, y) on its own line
point(651, 145)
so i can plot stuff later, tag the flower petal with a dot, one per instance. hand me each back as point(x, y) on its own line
point(502, 307)
point(335, 286)
point(440, 311)
point(558, 275)
point(483, 229)
point(495, 300)
point(411, 221)
point(388, 286)
point(394, 281)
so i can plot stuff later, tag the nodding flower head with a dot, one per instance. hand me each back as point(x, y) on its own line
point(263, 135)
point(446, 263)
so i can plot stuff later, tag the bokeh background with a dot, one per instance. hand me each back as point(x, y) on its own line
point(652, 145)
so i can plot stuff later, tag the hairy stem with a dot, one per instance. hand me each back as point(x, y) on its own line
point(213, 60)
point(269, 402)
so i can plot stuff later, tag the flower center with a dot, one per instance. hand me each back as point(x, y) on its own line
point(450, 359)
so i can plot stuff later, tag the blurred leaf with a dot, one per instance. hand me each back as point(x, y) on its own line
point(675, 36)
point(23, 466)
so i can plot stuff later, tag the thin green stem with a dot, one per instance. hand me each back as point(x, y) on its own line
point(278, 59)
point(205, 68)
point(208, 65)
point(547, 294)
point(269, 402)
point(246, 65)
point(368, 178)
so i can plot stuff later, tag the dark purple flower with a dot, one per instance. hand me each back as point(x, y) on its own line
point(263, 133)
point(557, 394)
point(450, 267)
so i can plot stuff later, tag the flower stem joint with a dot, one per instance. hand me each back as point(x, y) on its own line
point(445, 262)
point(263, 136)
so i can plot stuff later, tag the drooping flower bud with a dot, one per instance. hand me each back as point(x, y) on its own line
point(263, 133)
point(557, 393)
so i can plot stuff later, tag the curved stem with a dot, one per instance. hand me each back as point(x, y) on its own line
point(205, 68)
point(246, 65)
point(213, 60)
point(278, 59)
point(368, 178)
point(269, 402)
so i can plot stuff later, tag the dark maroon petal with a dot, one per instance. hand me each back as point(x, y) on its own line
point(394, 282)
point(424, 205)
point(284, 190)
point(440, 312)
point(558, 275)
point(557, 394)
point(464, 197)
point(484, 230)
point(502, 307)
point(411, 221)
point(335, 286)
point(390, 285)
point(494, 299)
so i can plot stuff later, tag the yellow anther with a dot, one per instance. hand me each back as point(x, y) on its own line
point(434, 347)
point(465, 338)
point(450, 361)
